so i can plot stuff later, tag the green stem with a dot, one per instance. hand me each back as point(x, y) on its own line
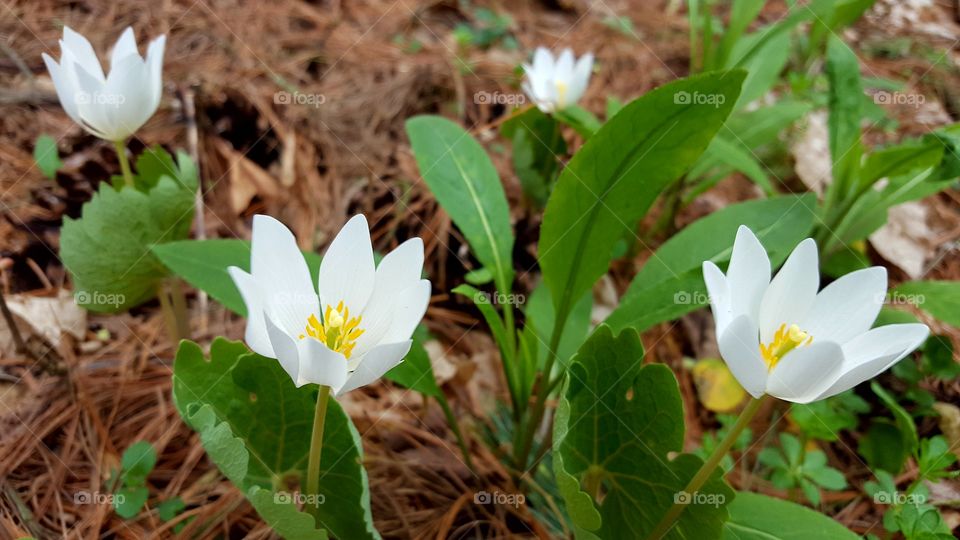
point(169, 314)
point(707, 469)
point(522, 451)
point(455, 426)
point(316, 445)
point(121, 148)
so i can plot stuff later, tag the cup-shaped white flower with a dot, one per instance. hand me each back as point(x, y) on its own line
point(359, 325)
point(784, 338)
point(114, 106)
point(554, 84)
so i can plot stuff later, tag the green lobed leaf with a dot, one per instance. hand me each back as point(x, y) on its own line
point(256, 425)
point(670, 284)
point(758, 517)
point(615, 426)
point(613, 180)
point(107, 250)
point(465, 183)
point(203, 264)
point(129, 500)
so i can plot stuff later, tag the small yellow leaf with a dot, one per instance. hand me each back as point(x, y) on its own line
point(717, 388)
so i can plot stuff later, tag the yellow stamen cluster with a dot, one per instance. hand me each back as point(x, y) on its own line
point(338, 331)
point(784, 341)
point(561, 92)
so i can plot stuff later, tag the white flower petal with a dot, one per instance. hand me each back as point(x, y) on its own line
point(543, 62)
point(285, 349)
point(375, 364)
point(563, 70)
point(393, 315)
point(82, 52)
point(847, 307)
point(875, 351)
point(125, 46)
point(347, 270)
point(125, 99)
point(320, 365)
point(155, 70)
point(400, 268)
point(719, 295)
point(803, 374)
point(90, 90)
point(740, 349)
point(256, 333)
point(748, 274)
point(66, 91)
point(792, 291)
point(581, 77)
point(277, 264)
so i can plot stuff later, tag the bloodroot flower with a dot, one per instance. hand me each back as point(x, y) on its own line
point(359, 325)
point(555, 84)
point(114, 106)
point(785, 339)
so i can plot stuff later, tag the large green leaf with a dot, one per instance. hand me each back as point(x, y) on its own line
point(758, 517)
point(465, 183)
point(255, 425)
point(845, 100)
point(615, 177)
point(107, 250)
point(615, 426)
point(671, 284)
point(938, 298)
point(204, 263)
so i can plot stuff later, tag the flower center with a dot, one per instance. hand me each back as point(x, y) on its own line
point(561, 93)
point(338, 331)
point(784, 341)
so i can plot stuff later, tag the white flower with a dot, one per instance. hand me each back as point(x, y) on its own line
point(556, 84)
point(783, 338)
point(359, 326)
point(115, 106)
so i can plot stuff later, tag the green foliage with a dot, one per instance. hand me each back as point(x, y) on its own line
point(46, 155)
point(615, 426)
point(758, 517)
point(615, 177)
point(670, 284)
point(487, 29)
point(136, 464)
point(465, 183)
point(825, 419)
point(941, 299)
point(203, 264)
point(255, 425)
point(155, 163)
point(537, 147)
point(107, 250)
point(792, 466)
point(710, 441)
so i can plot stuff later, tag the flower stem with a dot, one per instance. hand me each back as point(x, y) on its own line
point(169, 314)
point(316, 445)
point(121, 148)
point(699, 479)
